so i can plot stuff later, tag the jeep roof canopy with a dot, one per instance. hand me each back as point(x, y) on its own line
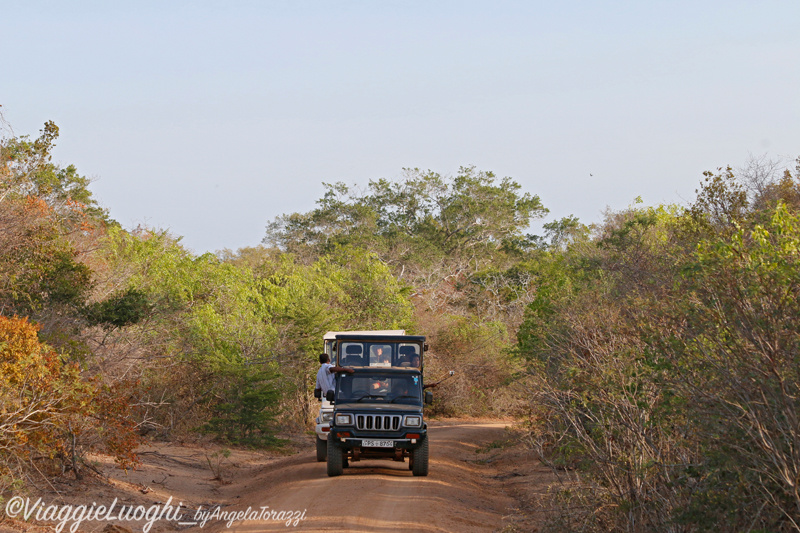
point(331, 335)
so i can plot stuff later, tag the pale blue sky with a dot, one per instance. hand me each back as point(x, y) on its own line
point(211, 118)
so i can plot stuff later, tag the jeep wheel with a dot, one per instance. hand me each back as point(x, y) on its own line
point(335, 459)
point(322, 449)
point(419, 459)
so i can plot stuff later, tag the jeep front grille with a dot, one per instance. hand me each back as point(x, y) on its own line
point(378, 422)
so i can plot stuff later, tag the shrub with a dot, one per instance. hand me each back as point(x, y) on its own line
point(49, 414)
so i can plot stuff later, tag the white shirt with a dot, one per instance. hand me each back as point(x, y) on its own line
point(325, 379)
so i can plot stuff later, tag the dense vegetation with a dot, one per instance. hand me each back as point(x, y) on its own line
point(666, 348)
point(654, 356)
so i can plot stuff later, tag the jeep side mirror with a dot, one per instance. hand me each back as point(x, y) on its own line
point(329, 396)
point(428, 397)
point(318, 394)
point(425, 347)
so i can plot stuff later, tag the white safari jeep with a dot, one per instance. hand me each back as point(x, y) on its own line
point(323, 420)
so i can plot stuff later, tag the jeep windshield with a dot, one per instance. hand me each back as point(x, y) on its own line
point(386, 387)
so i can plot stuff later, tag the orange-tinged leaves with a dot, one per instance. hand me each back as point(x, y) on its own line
point(45, 402)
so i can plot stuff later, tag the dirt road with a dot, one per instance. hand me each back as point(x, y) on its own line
point(458, 495)
point(465, 491)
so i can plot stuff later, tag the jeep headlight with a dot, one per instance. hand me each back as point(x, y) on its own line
point(414, 421)
point(326, 417)
point(344, 420)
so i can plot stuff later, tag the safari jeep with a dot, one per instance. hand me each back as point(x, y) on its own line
point(377, 409)
point(322, 422)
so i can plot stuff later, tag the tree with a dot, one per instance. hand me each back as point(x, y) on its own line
point(425, 214)
point(27, 170)
point(666, 353)
point(738, 340)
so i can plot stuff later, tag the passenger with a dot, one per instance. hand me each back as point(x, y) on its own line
point(381, 356)
point(325, 375)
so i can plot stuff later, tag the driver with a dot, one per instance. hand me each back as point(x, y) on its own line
point(380, 385)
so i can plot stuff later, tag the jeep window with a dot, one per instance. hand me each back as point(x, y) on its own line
point(380, 355)
point(408, 355)
point(352, 354)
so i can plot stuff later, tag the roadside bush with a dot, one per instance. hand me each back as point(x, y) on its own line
point(248, 409)
point(49, 414)
point(668, 369)
point(737, 349)
point(486, 380)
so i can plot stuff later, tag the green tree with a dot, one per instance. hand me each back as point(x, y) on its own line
point(247, 412)
point(738, 342)
point(424, 213)
point(27, 170)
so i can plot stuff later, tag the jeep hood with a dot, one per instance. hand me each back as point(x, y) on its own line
point(378, 408)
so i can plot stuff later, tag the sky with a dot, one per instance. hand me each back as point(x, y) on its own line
point(211, 118)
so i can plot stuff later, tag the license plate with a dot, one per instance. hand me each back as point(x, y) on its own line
point(377, 443)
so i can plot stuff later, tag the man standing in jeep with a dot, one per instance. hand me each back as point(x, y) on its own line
point(325, 374)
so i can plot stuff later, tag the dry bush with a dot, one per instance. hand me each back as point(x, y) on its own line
point(669, 377)
point(51, 415)
point(486, 380)
point(609, 415)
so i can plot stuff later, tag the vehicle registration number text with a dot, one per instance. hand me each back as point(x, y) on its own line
point(377, 443)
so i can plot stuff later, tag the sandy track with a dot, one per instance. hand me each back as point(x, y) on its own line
point(461, 493)
point(375, 496)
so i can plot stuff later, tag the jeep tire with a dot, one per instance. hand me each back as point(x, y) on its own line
point(322, 449)
point(335, 459)
point(419, 459)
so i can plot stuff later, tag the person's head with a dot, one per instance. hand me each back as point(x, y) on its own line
point(415, 360)
point(323, 358)
point(381, 354)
